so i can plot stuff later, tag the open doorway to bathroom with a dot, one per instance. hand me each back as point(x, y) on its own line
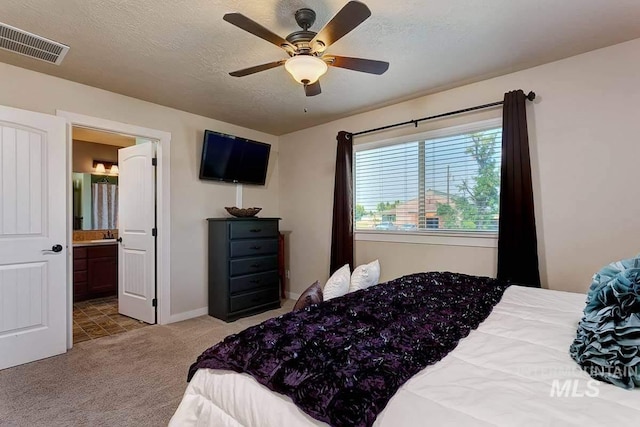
point(97, 203)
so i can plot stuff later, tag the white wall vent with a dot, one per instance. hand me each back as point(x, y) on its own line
point(31, 45)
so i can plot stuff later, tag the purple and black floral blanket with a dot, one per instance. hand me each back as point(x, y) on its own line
point(342, 360)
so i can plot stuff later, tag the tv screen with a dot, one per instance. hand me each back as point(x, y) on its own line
point(233, 159)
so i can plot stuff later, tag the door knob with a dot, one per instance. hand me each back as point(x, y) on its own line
point(119, 240)
point(54, 248)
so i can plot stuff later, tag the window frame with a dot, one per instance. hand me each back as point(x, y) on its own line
point(487, 239)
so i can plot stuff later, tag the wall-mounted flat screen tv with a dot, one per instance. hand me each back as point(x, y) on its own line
point(233, 159)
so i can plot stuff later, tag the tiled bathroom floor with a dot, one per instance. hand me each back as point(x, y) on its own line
point(99, 318)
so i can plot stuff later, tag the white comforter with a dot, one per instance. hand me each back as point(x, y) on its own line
point(514, 370)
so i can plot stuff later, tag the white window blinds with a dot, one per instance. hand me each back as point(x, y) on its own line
point(446, 183)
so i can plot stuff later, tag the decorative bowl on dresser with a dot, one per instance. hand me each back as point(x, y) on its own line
point(242, 212)
point(243, 266)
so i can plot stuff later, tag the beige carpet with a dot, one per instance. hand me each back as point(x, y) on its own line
point(133, 379)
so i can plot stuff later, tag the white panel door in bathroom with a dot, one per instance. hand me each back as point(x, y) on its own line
point(33, 249)
point(136, 224)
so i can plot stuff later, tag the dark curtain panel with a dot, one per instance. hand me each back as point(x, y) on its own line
point(342, 230)
point(517, 244)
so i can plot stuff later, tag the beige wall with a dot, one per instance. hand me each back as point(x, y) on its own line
point(192, 200)
point(84, 153)
point(398, 259)
point(584, 144)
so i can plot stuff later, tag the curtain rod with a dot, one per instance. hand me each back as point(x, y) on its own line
point(530, 96)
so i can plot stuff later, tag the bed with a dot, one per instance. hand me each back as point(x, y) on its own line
point(513, 369)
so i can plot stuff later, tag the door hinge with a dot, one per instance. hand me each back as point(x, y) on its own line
point(154, 302)
point(154, 232)
point(154, 162)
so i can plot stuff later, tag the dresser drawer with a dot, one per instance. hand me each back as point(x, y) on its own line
point(251, 229)
point(103, 251)
point(254, 299)
point(253, 281)
point(253, 247)
point(80, 264)
point(240, 267)
point(79, 253)
point(79, 276)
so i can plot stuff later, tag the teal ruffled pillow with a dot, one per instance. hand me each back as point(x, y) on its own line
point(607, 344)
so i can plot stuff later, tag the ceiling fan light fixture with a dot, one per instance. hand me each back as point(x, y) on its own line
point(305, 69)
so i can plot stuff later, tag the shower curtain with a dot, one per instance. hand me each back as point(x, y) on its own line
point(104, 206)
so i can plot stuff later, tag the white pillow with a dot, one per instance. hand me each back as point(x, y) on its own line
point(338, 283)
point(364, 276)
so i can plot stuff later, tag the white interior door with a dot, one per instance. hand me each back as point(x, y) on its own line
point(33, 226)
point(136, 222)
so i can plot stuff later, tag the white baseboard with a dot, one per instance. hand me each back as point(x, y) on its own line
point(292, 295)
point(188, 315)
point(205, 310)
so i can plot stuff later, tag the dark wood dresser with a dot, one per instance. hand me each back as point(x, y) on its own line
point(243, 266)
point(95, 271)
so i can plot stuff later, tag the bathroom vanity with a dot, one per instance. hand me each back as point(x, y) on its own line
point(95, 269)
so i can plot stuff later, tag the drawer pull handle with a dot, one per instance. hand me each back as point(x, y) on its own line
point(255, 265)
point(256, 247)
point(255, 230)
point(255, 281)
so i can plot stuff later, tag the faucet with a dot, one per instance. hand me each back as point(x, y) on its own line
point(108, 235)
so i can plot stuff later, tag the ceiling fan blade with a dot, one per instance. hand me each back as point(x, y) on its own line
point(348, 18)
point(313, 89)
point(358, 64)
point(241, 21)
point(257, 68)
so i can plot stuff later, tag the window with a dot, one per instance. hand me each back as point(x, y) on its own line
point(447, 180)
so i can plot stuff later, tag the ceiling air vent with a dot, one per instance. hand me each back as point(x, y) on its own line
point(31, 45)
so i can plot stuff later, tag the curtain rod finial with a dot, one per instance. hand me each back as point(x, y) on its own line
point(531, 96)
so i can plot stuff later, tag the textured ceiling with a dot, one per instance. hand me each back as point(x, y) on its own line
point(178, 53)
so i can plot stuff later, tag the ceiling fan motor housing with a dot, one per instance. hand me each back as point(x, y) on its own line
point(300, 39)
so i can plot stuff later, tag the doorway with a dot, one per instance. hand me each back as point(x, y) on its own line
point(132, 251)
point(100, 298)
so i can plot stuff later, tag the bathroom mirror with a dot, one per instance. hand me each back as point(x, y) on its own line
point(95, 202)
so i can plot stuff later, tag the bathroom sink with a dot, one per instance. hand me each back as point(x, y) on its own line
point(103, 241)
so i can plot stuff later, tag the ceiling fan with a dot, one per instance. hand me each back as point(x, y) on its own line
point(306, 49)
